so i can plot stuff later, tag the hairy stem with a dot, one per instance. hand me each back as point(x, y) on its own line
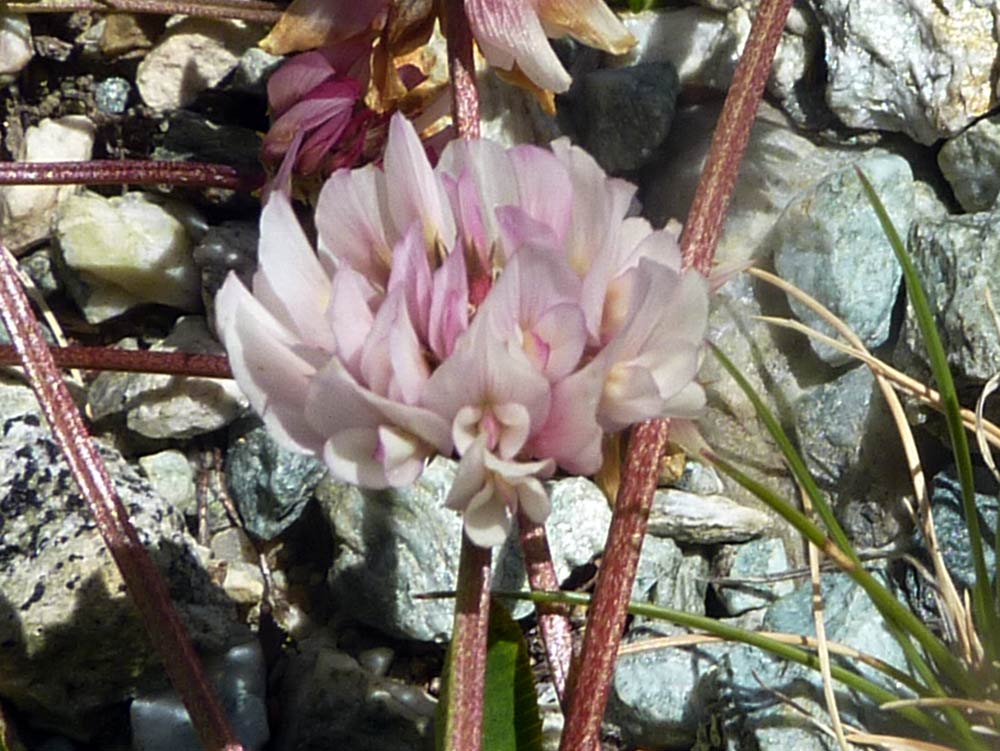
point(592, 680)
point(126, 171)
point(729, 141)
point(553, 622)
point(145, 585)
point(130, 361)
point(240, 10)
point(464, 719)
point(462, 70)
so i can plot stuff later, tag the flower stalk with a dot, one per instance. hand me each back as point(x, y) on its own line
point(253, 11)
point(145, 585)
point(196, 364)
point(127, 171)
point(606, 618)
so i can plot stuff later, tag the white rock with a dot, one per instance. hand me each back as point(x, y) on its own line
point(171, 476)
point(163, 406)
point(128, 250)
point(15, 45)
point(922, 67)
point(193, 55)
point(26, 210)
point(704, 519)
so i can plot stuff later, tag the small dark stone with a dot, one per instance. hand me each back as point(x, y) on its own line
point(230, 246)
point(269, 485)
point(623, 115)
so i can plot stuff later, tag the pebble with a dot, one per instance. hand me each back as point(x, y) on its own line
point(164, 406)
point(111, 95)
point(950, 527)
point(170, 474)
point(914, 66)
point(193, 55)
point(971, 163)
point(16, 49)
point(230, 246)
point(270, 485)
point(26, 211)
point(127, 250)
point(161, 723)
point(752, 560)
point(704, 519)
point(955, 257)
point(829, 243)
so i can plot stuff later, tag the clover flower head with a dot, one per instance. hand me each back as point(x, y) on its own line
point(501, 306)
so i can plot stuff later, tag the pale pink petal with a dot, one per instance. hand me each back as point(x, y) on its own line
point(266, 366)
point(392, 363)
point(349, 316)
point(289, 280)
point(470, 476)
point(488, 517)
point(412, 274)
point(516, 423)
point(533, 500)
point(415, 193)
point(509, 32)
point(631, 395)
point(351, 219)
point(401, 454)
point(544, 188)
point(350, 456)
point(483, 179)
point(563, 332)
point(449, 312)
point(518, 230)
point(571, 435)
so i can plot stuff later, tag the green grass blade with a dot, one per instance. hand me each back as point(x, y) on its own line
point(795, 462)
point(983, 604)
point(791, 653)
point(891, 609)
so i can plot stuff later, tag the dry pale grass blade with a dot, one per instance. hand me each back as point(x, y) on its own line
point(989, 388)
point(984, 707)
point(819, 623)
point(896, 743)
point(968, 642)
point(797, 640)
point(806, 715)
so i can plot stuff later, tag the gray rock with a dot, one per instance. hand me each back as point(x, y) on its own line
point(955, 257)
point(660, 696)
point(161, 723)
point(164, 406)
point(511, 115)
point(705, 46)
point(622, 116)
point(392, 545)
point(127, 250)
point(253, 70)
point(194, 54)
point(971, 163)
point(832, 420)
point(703, 519)
point(170, 474)
point(780, 164)
point(332, 701)
point(111, 95)
point(921, 67)
point(269, 485)
point(752, 562)
point(951, 529)
point(829, 243)
point(700, 479)
point(230, 246)
point(189, 136)
point(39, 268)
point(70, 641)
point(850, 619)
point(670, 578)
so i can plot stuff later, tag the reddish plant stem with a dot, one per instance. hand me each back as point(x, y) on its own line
point(131, 361)
point(462, 70)
point(246, 10)
point(594, 670)
point(464, 724)
point(729, 141)
point(553, 620)
point(125, 171)
point(145, 585)
point(606, 618)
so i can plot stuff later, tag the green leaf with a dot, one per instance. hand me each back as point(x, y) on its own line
point(511, 721)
